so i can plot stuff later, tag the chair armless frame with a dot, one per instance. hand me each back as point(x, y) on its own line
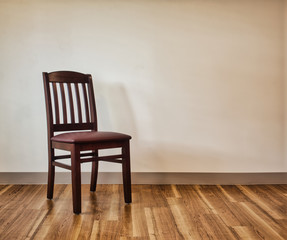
point(70, 106)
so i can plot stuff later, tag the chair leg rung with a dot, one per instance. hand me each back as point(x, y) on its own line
point(62, 165)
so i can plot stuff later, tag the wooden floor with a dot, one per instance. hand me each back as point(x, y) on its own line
point(157, 212)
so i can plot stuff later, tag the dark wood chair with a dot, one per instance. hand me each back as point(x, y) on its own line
point(70, 106)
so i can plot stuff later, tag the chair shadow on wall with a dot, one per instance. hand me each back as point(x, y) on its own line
point(114, 108)
point(116, 113)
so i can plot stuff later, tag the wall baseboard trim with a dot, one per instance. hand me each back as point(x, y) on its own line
point(150, 178)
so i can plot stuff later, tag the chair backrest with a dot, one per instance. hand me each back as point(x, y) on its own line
point(70, 101)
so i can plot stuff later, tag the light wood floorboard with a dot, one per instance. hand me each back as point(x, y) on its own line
point(157, 212)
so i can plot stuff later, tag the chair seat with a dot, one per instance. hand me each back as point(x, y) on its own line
point(89, 137)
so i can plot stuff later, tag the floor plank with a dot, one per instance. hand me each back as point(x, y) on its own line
point(157, 212)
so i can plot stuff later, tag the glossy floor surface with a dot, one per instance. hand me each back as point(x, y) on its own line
point(157, 212)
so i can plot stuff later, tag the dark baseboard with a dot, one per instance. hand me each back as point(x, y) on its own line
point(151, 178)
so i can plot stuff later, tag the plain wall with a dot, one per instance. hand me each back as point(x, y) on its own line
point(200, 85)
point(285, 77)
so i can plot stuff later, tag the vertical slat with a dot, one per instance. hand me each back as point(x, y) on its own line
point(56, 102)
point(48, 101)
point(63, 102)
point(51, 152)
point(71, 103)
point(78, 102)
point(92, 104)
point(86, 102)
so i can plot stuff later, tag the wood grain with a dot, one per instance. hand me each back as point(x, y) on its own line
point(157, 212)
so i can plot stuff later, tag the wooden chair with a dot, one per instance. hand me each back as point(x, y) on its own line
point(70, 106)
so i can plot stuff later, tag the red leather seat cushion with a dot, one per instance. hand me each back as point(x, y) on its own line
point(89, 137)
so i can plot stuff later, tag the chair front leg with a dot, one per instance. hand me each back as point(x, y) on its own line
point(51, 173)
point(94, 176)
point(76, 179)
point(127, 172)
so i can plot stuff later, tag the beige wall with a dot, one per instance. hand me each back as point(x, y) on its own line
point(198, 84)
point(285, 79)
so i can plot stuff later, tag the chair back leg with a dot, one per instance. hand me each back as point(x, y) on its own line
point(94, 176)
point(76, 179)
point(126, 172)
point(51, 174)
